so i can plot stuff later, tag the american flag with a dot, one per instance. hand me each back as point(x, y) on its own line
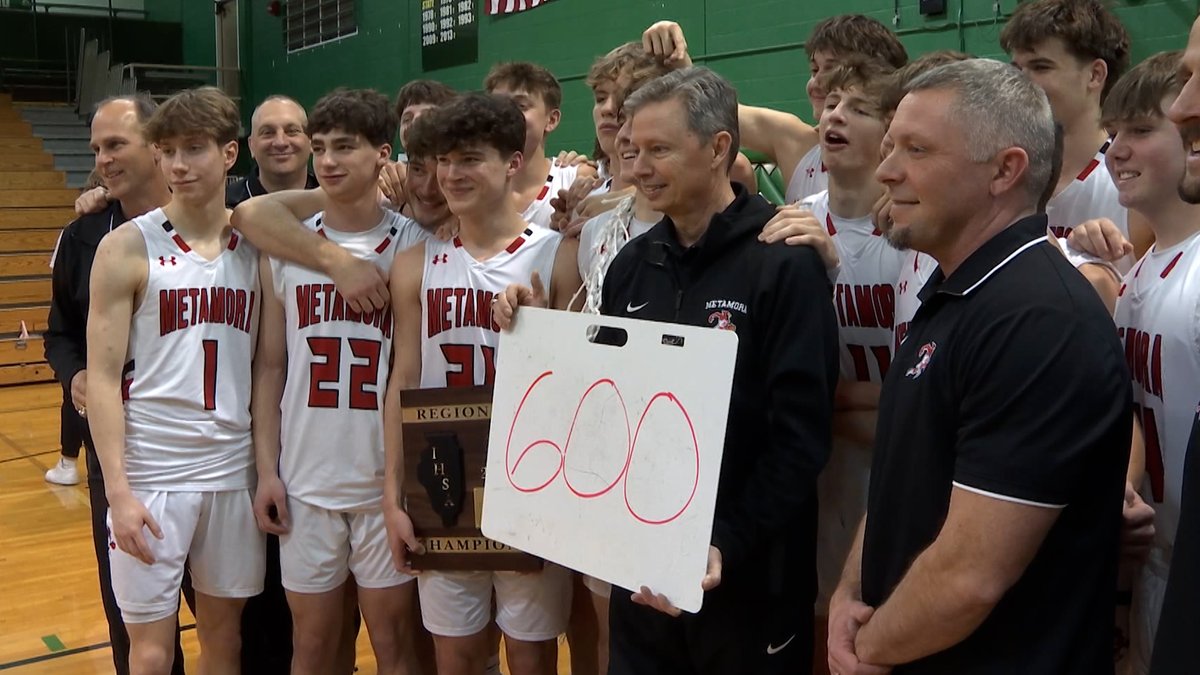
point(512, 6)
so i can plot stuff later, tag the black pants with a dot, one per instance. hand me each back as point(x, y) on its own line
point(266, 619)
point(267, 623)
point(69, 434)
point(758, 621)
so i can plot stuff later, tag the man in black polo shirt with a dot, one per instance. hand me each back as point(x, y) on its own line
point(1179, 624)
point(280, 149)
point(990, 543)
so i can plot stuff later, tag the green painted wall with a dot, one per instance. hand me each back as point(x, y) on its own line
point(758, 44)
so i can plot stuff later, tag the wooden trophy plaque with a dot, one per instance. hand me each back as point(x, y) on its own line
point(445, 459)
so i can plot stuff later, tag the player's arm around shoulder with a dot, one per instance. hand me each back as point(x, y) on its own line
point(118, 282)
point(781, 136)
point(269, 374)
point(408, 269)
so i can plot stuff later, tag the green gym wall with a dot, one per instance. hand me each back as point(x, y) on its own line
point(757, 44)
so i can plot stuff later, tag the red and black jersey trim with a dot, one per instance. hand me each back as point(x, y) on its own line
point(170, 230)
point(829, 227)
point(1091, 166)
point(183, 246)
point(511, 248)
point(387, 239)
point(1171, 265)
point(545, 188)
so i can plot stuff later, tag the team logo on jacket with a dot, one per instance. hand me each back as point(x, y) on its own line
point(722, 320)
point(924, 355)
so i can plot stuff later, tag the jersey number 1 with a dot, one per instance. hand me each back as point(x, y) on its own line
point(210, 374)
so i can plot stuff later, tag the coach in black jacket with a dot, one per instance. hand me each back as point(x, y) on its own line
point(703, 265)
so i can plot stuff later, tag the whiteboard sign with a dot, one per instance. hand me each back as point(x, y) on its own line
point(604, 458)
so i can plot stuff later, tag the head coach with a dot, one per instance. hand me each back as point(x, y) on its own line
point(990, 542)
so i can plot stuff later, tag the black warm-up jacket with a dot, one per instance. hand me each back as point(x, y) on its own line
point(66, 335)
point(777, 299)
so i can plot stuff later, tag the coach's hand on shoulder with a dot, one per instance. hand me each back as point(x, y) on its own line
point(797, 226)
point(1137, 525)
point(665, 40)
point(401, 537)
point(1101, 238)
point(271, 495)
point(361, 283)
point(92, 201)
point(391, 182)
point(129, 516)
point(848, 614)
point(658, 601)
point(504, 307)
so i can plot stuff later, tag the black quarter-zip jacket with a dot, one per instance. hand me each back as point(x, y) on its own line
point(777, 298)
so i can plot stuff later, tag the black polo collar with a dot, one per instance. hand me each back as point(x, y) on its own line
point(989, 258)
point(254, 186)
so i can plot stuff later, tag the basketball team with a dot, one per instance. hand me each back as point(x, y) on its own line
point(967, 374)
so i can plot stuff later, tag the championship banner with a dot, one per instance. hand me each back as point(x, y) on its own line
point(512, 6)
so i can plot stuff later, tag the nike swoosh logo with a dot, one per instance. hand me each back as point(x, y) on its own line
point(772, 649)
point(631, 309)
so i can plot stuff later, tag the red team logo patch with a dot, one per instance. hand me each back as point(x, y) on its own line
point(722, 320)
point(925, 355)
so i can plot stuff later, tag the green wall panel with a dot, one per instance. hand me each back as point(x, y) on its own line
point(758, 44)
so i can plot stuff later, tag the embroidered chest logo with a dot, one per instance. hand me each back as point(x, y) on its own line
point(163, 260)
point(443, 258)
point(924, 356)
point(722, 320)
point(810, 171)
point(723, 311)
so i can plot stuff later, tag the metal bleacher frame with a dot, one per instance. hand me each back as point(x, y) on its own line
point(100, 79)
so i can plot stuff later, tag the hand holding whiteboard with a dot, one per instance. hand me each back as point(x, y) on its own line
point(604, 458)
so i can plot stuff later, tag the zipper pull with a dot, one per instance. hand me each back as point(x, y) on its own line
point(678, 302)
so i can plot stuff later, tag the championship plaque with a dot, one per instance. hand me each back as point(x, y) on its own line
point(445, 459)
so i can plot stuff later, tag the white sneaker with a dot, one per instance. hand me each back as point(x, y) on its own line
point(63, 473)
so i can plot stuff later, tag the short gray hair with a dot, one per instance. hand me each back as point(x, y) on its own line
point(142, 104)
point(1005, 109)
point(709, 99)
point(284, 99)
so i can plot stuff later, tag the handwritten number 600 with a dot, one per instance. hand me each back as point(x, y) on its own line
point(630, 444)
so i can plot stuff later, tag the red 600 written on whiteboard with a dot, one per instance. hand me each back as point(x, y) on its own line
point(662, 400)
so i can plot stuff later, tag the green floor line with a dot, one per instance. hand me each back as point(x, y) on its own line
point(53, 643)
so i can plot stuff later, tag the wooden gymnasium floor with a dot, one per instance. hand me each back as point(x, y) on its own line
point(51, 621)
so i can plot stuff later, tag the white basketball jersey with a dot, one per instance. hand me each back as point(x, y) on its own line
point(915, 270)
point(186, 380)
point(1158, 319)
point(539, 210)
point(337, 370)
point(864, 294)
point(458, 337)
point(809, 178)
point(1091, 195)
